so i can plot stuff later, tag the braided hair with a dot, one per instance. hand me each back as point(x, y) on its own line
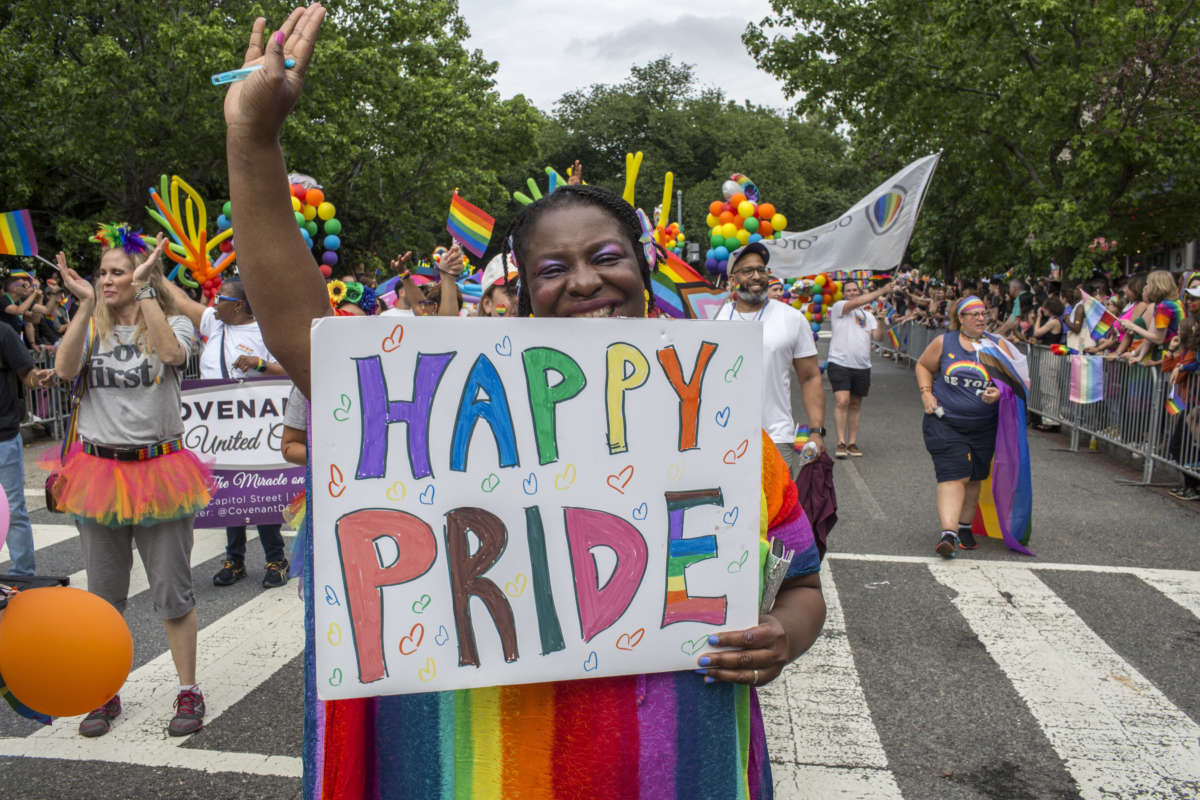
point(516, 239)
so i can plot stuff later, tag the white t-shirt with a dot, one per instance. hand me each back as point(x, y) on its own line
point(397, 312)
point(239, 340)
point(850, 345)
point(786, 336)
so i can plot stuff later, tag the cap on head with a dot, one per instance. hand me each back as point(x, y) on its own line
point(753, 247)
point(495, 273)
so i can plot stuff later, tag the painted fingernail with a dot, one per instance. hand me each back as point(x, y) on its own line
point(279, 37)
point(712, 639)
point(704, 661)
point(709, 679)
point(288, 63)
point(701, 672)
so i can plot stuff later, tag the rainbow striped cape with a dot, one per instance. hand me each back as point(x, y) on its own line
point(640, 737)
point(1005, 508)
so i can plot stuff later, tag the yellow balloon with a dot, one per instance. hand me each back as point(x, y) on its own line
point(711, 221)
point(743, 236)
point(326, 210)
point(309, 212)
point(679, 238)
point(746, 209)
point(729, 230)
point(778, 222)
point(295, 203)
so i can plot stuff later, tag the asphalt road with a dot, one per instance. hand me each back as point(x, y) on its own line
point(1071, 674)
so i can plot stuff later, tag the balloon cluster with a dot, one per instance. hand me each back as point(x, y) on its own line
point(813, 296)
point(739, 220)
point(670, 237)
point(186, 221)
point(317, 220)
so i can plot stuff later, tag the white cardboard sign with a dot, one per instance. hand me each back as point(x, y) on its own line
point(515, 501)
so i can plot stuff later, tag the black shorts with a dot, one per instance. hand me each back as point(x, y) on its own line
point(848, 379)
point(960, 448)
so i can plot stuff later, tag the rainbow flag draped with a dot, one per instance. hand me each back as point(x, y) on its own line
point(1087, 379)
point(1096, 318)
point(648, 737)
point(469, 225)
point(16, 234)
point(1174, 403)
point(673, 283)
point(1005, 508)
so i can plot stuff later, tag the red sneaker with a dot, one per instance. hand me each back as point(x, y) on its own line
point(189, 713)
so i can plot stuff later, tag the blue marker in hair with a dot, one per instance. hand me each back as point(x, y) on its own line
point(235, 75)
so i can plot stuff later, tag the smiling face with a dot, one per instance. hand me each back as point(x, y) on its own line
point(851, 290)
point(114, 279)
point(579, 262)
point(751, 277)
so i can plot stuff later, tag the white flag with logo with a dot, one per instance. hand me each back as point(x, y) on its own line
point(873, 234)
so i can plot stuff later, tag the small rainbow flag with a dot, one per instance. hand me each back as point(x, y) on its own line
point(801, 438)
point(1174, 404)
point(1087, 379)
point(469, 225)
point(16, 234)
point(1096, 318)
point(893, 339)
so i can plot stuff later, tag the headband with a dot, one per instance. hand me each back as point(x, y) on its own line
point(122, 236)
point(969, 303)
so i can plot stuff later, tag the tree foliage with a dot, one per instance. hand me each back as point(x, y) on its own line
point(1060, 120)
point(106, 97)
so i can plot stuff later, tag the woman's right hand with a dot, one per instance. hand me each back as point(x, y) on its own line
point(259, 104)
point(929, 402)
point(76, 285)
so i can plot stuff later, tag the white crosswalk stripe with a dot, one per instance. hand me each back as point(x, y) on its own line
point(1116, 733)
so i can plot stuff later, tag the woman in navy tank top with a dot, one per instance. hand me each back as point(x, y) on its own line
point(960, 421)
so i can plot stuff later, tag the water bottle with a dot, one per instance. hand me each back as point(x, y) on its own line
point(809, 453)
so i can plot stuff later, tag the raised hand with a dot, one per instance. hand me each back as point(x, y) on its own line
point(76, 285)
point(400, 261)
point(258, 106)
point(452, 261)
point(576, 174)
point(141, 275)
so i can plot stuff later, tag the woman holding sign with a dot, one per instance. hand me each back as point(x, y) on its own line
point(581, 252)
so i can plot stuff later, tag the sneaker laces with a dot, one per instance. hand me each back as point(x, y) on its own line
point(186, 702)
point(275, 566)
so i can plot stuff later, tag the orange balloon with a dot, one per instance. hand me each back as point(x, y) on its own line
point(314, 197)
point(737, 199)
point(716, 207)
point(63, 651)
point(766, 211)
point(765, 229)
point(739, 221)
point(726, 217)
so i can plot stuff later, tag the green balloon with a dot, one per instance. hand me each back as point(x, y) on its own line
point(751, 225)
point(299, 219)
point(311, 227)
point(333, 226)
point(227, 209)
point(733, 243)
point(717, 240)
point(778, 235)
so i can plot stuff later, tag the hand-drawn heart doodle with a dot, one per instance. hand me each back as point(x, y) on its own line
point(336, 486)
point(412, 642)
point(564, 479)
point(334, 634)
point(732, 456)
point(736, 566)
point(504, 347)
point(442, 636)
point(426, 496)
point(592, 663)
point(692, 646)
point(723, 416)
point(331, 596)
point(490, 483)
point(392, 340)
point(342, 412)
point(628, 641)
point(429, 671)
point(732, 373)
point(335, 678)
point(421, 603)
point(640, 512)
point(530, 484)
point(516, 587)
point(619, 481)
point(730, 517)
point(397, 491)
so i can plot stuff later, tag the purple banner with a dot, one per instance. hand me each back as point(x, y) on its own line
point(236, 426)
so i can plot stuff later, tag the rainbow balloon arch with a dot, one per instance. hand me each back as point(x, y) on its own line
point(738, 220)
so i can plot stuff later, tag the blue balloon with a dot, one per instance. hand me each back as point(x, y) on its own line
point(816, 326)
point(332, 242)
point(223, 222)
point(754, 237)
point(721, 253)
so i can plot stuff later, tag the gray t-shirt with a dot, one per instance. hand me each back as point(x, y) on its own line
point(132, 399)
point(296, 414)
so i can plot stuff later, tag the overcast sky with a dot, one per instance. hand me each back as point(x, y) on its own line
point(548, 48)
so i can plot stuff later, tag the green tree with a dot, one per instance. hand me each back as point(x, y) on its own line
point(396, 113)
point(1060, 120)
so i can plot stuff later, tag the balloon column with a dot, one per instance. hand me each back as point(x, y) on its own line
point(667, 233)
point(187, 225)
point(814, 297)
point(317, 220)
point(739, 220)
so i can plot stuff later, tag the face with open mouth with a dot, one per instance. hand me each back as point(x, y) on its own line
point(579, 262)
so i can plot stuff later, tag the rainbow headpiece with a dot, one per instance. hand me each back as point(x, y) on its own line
point(748, 187)
point(968, 304)
point(122, 236)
